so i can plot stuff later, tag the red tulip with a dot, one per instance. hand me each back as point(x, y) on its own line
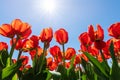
point(18, 44)
point(33, 52)
point(49, 61)
point(30, 43)
point(114, 30)
point(26, 59)
point(3, 46)
point(85, 39)
point(46, 35)
point(84, 57)
point(99, 44)
point(23, 30)
point(67, 65)
point(35, 40)
point(56, 53)
point(70, 52)
point(99, 57)
point(61, 36)
point(53, 66)
point(77, 59)
point(7, 30)
point(97, 36)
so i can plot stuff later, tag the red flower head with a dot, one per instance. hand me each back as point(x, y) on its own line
point(35, 40)
point(49, 61)
point(61, 36)
point(27, 45)
point(30, 43)
point(83, 56)
point(77, 59)
point(18, 44)
point(46, 35)
point(99, 44)
point(7, 30)
point(33, 52)
point(96, 35)
point(56, 53)
point(67, 65)
point(53, 66)
point(93, 51)
point(85, 39)
point(114, 30)
point(26, 59)
point(70, 52)
point(3, 46)
point(23, 30)
point(99, 57)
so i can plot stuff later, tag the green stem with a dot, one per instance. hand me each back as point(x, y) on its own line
point(79, 71)
point(102, 55)
point(63, 47)
point(12, 48)
point(43, 57)
point(105, 61)
point(19, 54)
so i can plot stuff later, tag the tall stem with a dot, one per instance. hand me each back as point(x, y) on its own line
point(43, 57)
point(63, 47)
point(105, 61)
point(102, 55)
point(19, 54)
point(12, 48)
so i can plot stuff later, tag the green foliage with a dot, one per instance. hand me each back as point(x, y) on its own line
point(115, 72)
point(9, 71)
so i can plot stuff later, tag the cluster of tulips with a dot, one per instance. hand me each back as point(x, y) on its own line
point(90, 62)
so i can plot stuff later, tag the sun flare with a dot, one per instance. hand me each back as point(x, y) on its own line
point(48, 6)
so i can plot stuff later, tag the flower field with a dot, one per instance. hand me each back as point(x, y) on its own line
point(90, 62)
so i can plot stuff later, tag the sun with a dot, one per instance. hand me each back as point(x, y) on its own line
point(49, 6)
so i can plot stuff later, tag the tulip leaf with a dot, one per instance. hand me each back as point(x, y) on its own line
point(9, 72)
point(111, 49)
point(84, 77)
point(15, 77)
point(28, 75)
point(63, 72)
point(3, 58)
point(96, 63)
point(88, 69)
point(115, 73)
point(71, 70)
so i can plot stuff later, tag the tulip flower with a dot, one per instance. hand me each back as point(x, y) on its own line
point(77, 59)
point(7, 30)
point(53, 66)
point(85, 39)
point(56, 53)
point(39, 51)
point(46, 35)
point(3, 46)
point(61, 36)
point(18, 44)
point(97, 36)
point(26, 59)
point(31, 43)
point(114, 30)
point(70, 52)
point(22, 30)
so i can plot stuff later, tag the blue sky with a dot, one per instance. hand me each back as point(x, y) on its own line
point(73, 15)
